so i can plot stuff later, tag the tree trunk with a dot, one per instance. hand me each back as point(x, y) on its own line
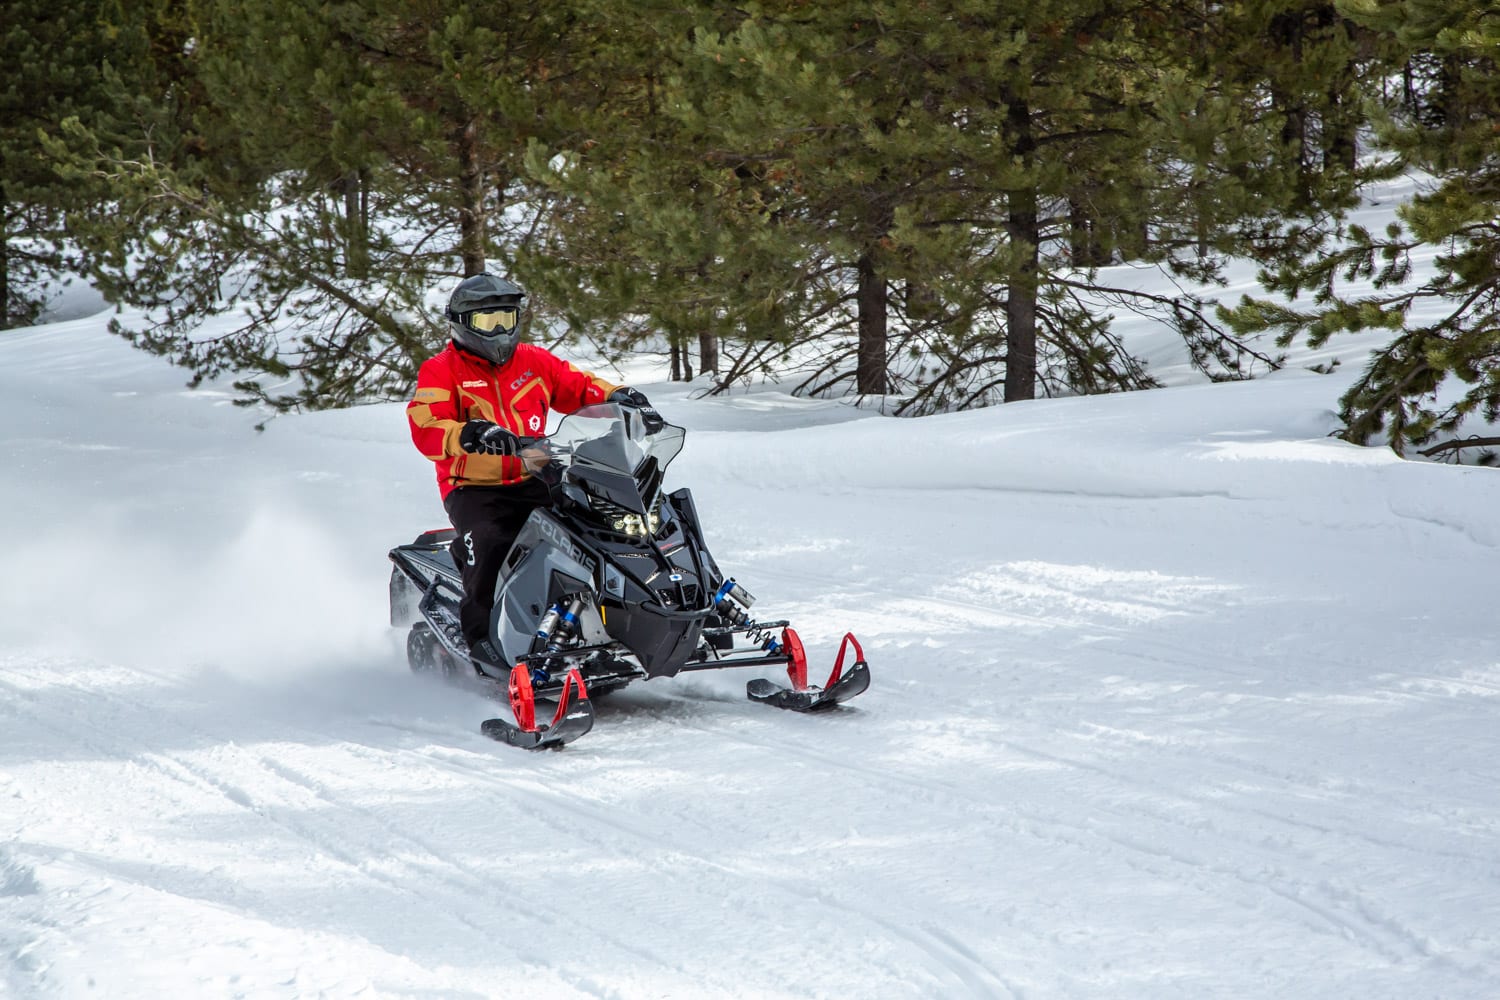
point(1287, 31)
point(1025, 238)
point(354, 186)
point(1020, 306)
point(682, 362)
point(4, 264)
point(471, 213)
point(1342, 119)
point(1341, 150)
point(708, 353)
point(1083, 236)
point(871, 300)
point(1450, 92)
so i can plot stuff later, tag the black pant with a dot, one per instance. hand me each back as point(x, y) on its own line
point(488, 519)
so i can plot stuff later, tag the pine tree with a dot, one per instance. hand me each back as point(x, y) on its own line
point(924, 190)
point(364, 156)
point(1446, 326)
point(1306, 56)
point(59, 60)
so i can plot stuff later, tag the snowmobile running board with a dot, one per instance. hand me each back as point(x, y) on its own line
point(802, 697)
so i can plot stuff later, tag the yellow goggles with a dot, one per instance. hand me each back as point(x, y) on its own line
point(484, 322)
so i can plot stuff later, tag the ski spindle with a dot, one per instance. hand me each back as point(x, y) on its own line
point(522, 700)
point(796, 667)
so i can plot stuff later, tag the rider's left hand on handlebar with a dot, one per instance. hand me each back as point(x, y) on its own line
point(636, 400)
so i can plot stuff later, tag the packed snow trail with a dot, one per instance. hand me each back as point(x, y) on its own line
point(1174, 697)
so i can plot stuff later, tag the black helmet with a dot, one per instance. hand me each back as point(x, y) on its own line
point(487, 315)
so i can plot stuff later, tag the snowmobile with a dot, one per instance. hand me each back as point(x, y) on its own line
point(610, 584)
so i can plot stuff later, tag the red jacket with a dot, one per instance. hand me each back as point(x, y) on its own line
point(455, 386)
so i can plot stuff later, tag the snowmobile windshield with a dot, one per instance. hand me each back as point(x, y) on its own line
point(608, 444)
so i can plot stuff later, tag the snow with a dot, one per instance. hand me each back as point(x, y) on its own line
point(1174, 696)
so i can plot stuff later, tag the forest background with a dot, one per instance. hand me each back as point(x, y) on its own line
point(924, 202)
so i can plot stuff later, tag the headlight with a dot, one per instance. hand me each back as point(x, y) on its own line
point(637, 526)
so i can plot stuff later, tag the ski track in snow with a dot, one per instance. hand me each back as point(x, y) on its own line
point(448, 889)
point(1156, 801)
point(274, 793)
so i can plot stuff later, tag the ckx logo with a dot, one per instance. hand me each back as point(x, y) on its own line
point(521, 380)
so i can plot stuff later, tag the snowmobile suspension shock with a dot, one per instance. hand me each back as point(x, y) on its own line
point(765, 637)
point(559, 624)
point(740, 596)
point(558, 627)
point(733, 602)
point(548, 624)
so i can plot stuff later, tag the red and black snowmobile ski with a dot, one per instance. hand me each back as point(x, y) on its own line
point(610, 584)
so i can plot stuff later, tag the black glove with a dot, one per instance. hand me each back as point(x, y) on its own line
point(636, 400)
point(484, 438)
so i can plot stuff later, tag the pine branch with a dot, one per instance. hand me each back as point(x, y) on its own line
point(1457, 444)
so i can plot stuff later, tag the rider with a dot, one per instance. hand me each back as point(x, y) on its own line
point(474, 401)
